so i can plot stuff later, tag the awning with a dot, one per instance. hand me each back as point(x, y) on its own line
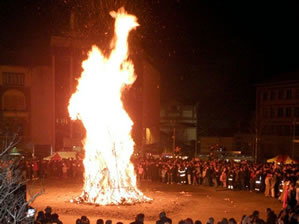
point(285, 159)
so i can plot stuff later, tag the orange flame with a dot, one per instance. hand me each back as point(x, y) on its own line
point(109, 174)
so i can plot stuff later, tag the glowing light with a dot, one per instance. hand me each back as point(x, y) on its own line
point(109, 176)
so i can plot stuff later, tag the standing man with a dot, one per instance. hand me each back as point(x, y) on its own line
point(163, 219)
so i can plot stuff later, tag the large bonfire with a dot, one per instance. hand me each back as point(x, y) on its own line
point(109, 176)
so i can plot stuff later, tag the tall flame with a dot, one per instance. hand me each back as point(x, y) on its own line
point(109, 174)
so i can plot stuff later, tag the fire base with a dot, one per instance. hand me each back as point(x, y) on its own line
point(84, 199)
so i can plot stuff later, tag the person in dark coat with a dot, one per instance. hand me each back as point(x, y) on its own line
point(55, 219)
point(271, 216)
point(48, 214)
point(139, 219)
point(163, 219)
point(84, 220)
point(291, 200)
point(100, 221)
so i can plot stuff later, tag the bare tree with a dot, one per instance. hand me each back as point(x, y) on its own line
point(14, 206)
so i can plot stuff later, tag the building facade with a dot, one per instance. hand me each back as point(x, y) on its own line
point(277, 119)
point(26, 106)
point(179, 128)
point(34, 100)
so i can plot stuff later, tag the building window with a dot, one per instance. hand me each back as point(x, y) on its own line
point(296, 112)
point(13, 125)
point(280, 112)
point(265, 112)
point(288, 112)
point(280, 94)
point(13, 100)
point(286, 130)
point(289, 93)
point(265, 96)
point(272, 112)
point(272, 130)
point(13, 78)
point(266, 130)
point(272, 96)
point(296, 130)
point(279, 130)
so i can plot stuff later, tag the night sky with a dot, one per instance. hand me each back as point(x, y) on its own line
point(209, 52)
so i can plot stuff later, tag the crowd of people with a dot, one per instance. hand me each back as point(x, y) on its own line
point(274, 180)
point(270, 178)
point(285, 216)
point(66, 168)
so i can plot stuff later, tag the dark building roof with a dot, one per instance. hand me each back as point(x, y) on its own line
point(282, 79)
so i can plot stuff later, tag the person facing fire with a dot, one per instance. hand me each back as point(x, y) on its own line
point(139, 219)
point(182, 174)
point(170, 172)
point(163, 219)
point(230, 179)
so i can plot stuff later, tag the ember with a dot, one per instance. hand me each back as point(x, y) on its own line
point(109, 176)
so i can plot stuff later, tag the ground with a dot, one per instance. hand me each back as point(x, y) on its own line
point(178, 201)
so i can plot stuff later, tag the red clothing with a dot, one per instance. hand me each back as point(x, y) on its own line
point(285, 197)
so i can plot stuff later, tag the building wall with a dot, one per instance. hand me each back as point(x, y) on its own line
point(151, 103)
point(42, 106)
point(207, 142)
point(178, 125)
point(277, 106)
point(26, 104)
point(245, 143)
point(15, 100)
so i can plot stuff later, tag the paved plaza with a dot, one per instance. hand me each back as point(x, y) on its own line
point(178, 201)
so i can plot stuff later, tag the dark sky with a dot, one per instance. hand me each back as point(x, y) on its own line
point(210, 52)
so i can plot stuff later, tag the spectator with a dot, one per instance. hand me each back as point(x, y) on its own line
point(243, 217)
point(291, 198)
point(40, 217)
point(232, 221)
point(224, 221)
point(108, 221)
point(210, 220)
point(256, 216)
point(271, 217)
point(100, 221)
point(189, 221)
point(55, 219)
point(163, 219)
point(283, 217)
point(139, 219)
point(84, 220)
point(48, 214)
